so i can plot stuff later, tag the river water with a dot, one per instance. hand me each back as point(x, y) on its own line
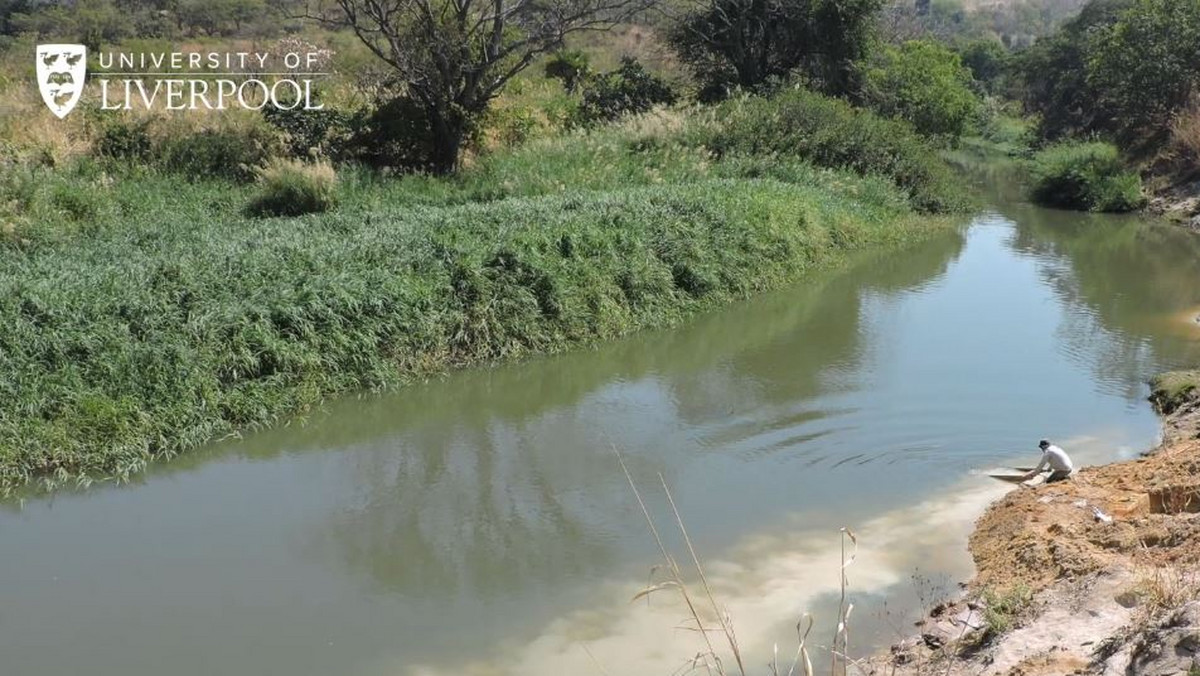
point(480, 524)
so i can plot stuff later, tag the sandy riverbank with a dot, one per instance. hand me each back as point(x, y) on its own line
point(1097, 575)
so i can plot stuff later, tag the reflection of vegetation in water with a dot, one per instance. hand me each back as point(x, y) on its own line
point(478, 488)
point(1124, 276)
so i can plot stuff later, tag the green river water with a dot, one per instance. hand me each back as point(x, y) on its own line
point(480, 524)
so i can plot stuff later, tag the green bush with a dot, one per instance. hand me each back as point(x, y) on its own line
point(1145, 67)
point(627, 90)
point(571, 67)
point(125, 139)
point(310, 133)
point(741, 45)
point(1085, 176)
point(292, 188)
point(231, 151)
point(394, 134)
point(987, 60)
point(829, 132)
point(926, 84)
point(39, 205)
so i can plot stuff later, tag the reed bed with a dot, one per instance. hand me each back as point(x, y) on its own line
point(144, 313)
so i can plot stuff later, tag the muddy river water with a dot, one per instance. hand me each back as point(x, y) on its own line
point(479, 524)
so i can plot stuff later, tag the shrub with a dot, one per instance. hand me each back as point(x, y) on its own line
point(1122, 67)
point(1086, 176)
point(571, 67)
point(395, 134)
point(627, 90)
point(926, 84)
point(125, 139)
point(1185, 137)
point(734, 44)
point(1003, 610)
point(292, 188)
point(310, 133)
point(1145, 66)
point(831, 133)
point(39, 205)
point(227, 150)
point(986, 59)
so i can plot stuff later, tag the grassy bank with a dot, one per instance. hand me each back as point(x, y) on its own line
point(142, 314)
point(1084, 176)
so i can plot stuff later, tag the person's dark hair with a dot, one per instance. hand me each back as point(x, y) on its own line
point(1043, 443)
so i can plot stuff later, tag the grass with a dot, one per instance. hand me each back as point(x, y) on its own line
point(291, 188)
point(1087, 176)
point(145, 311)
point(1169, 391)
point(831, 133)
point(1161, 590)
point(1003, 608)
point(169, 318)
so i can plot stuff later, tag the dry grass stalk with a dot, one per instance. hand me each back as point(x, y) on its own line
point(708, 659)
point(841, 637)
point(1185, 134)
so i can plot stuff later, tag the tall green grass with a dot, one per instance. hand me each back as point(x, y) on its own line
point(1087, 176)
point(831, 133)
point(186, 321)
point(143, 314)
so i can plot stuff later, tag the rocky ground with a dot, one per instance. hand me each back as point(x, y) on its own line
point(1096, 575)
point(1178, 201)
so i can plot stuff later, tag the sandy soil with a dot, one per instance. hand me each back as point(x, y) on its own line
point(1106, 567)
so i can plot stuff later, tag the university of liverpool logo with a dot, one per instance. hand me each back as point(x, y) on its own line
point(60, 72)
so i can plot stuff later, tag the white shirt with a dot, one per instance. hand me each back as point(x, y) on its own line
point(1056, 458)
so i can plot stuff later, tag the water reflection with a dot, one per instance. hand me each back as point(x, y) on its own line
point(518, 489)
point(479, 523)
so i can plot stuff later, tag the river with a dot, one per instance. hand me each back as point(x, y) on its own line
point(480, 524)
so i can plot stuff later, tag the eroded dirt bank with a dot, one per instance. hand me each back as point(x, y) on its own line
point(1096, 575)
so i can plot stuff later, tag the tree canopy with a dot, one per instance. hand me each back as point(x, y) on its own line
point(925, 83)
point(1121, 68)
point(732, 44)
point(454, 56)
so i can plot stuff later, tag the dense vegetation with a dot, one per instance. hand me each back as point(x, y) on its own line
point(1085, 176)
point(925, 83)
point(1124, 71)
point(167, 279)
point(170, 318)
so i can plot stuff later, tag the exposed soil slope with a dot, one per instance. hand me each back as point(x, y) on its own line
point(1106, 567)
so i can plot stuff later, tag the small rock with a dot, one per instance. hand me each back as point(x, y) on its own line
point(970, 618)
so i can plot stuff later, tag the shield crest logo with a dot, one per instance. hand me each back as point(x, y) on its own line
point(60, 73)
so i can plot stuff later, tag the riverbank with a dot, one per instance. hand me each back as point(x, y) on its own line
point(1098, 575)
point(142, 315)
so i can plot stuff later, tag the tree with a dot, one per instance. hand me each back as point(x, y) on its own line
point(745, 43)
point(926, 84)
point(985, 58)
point(1145, 66)
point(628, 90)
point(454, 56)
point(1054, 73)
